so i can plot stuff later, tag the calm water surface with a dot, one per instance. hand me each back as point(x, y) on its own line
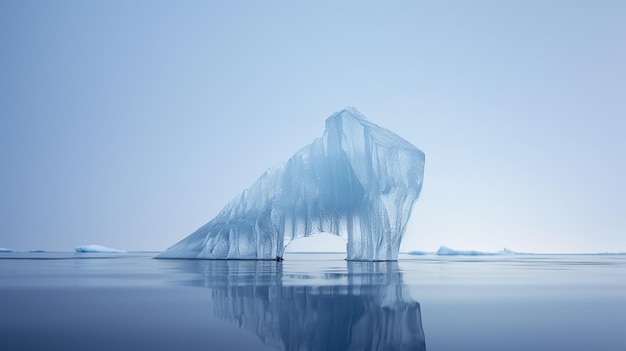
point(69, 301)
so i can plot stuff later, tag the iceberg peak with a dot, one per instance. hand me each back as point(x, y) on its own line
point(348, 112)
point(358, 181)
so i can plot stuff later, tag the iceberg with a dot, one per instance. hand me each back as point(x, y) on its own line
point(358, 181)
point(2, 249)
point(96, 248)
point(446, 251)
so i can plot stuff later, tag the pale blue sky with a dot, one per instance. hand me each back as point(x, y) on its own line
point(131, 123)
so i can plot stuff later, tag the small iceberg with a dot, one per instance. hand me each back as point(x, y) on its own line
point(96, 248)
point(446, 251)
point(37, 251)
point(2, 249)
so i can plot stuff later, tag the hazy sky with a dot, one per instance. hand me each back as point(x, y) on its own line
point(131, 123)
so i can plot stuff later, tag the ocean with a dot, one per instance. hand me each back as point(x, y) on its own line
point(315, 301)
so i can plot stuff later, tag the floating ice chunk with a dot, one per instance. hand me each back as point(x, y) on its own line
point(96, 248)
point(2, 249)
point(446, 251)
point(358, 181)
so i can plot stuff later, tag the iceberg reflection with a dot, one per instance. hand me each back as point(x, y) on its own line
point(361, 306)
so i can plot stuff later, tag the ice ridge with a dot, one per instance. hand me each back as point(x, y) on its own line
point(358, 181)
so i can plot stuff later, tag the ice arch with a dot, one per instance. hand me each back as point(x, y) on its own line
point(358, 181)
point(322, 242)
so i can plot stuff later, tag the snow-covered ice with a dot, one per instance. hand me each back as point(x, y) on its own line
point(358, 181)
point(96, 248)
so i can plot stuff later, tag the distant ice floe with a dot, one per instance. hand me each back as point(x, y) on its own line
point(2, 249)
point(446, 251)
point(96, 248)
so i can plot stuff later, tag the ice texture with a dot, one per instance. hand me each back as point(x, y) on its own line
point(96, 248)
point(358, 181)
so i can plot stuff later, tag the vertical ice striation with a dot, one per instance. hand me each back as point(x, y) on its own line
point(358, 181)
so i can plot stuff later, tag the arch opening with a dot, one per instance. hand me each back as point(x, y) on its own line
point(316, 243)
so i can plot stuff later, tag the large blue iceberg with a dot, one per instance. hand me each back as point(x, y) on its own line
point(358, 181)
